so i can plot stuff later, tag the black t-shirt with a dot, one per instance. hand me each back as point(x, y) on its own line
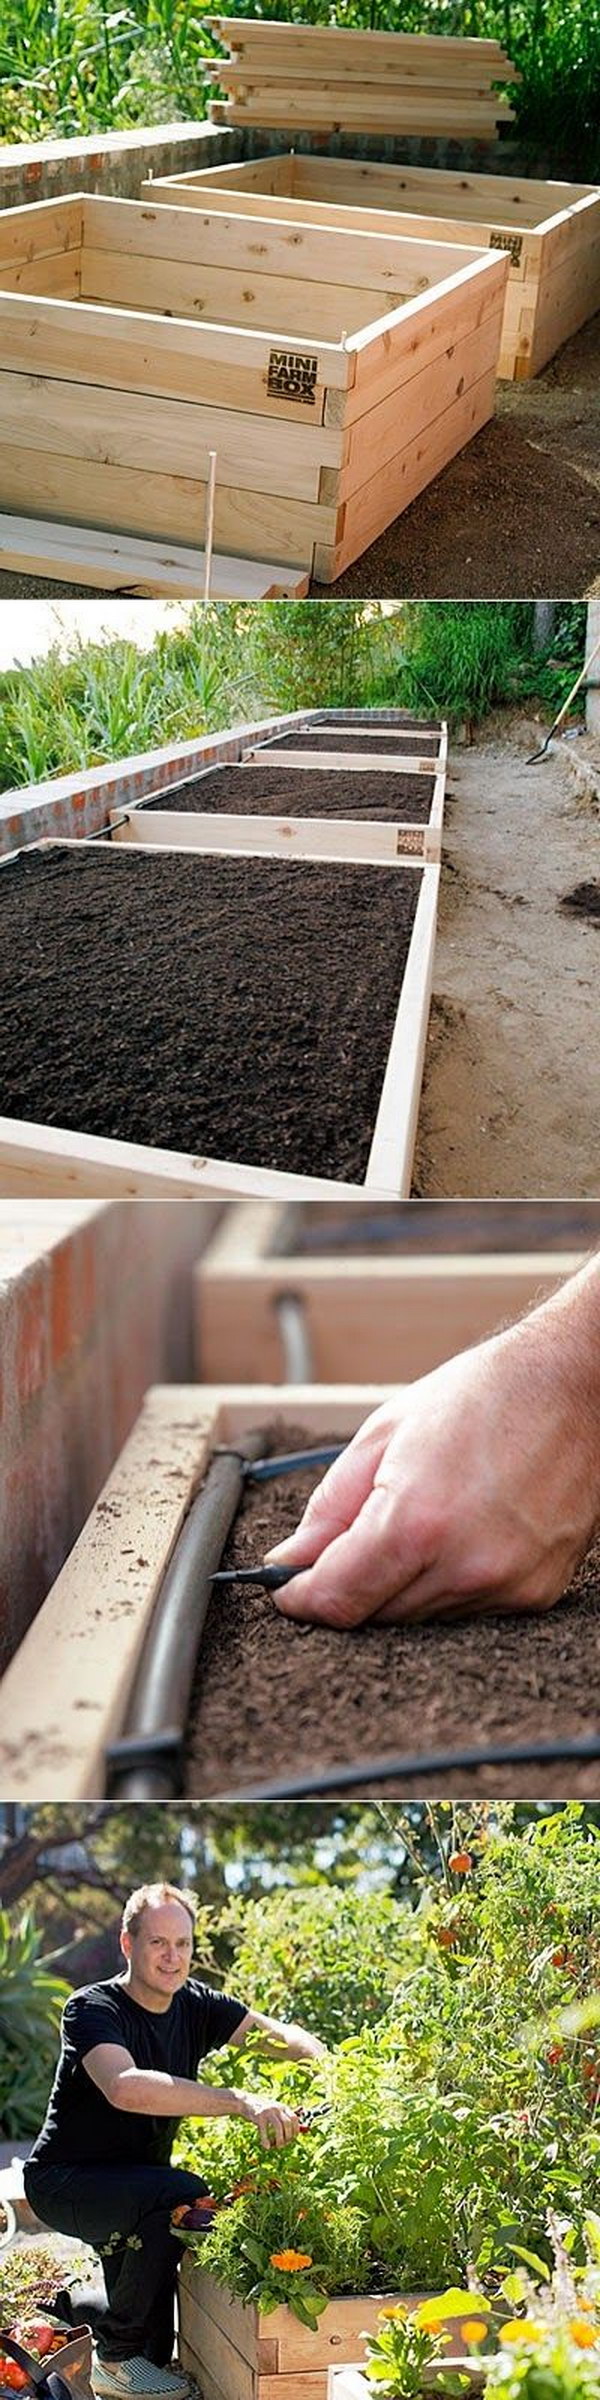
point(80, 2125)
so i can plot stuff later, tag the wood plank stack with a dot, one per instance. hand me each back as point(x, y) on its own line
point(322, 78)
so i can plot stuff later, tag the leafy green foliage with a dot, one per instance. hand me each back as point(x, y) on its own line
point(454, 2122)
point(69, 66)
point(31, 2001)
point(235, 663)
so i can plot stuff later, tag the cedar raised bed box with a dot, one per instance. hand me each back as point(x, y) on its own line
point(233, 2353)
point(272, 1698)
point(314, 804)
point(550, 231)
point(334, 375)
point(270, 1014)
point(397, 1311)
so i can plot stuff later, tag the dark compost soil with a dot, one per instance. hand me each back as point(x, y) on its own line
point(426, 1227)
point(428, 743)
point(237, 1007)
point(302, 792)
point(274, 1698)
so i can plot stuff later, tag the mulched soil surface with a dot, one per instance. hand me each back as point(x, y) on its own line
point(423, 1227)
point(273, 1698)
point(399, 742)
point(237, 1007)
point(303, 792)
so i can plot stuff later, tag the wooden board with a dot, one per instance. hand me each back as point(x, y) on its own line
point(398, 1316)
point(108, 563)
point(541, 226)
point(277, 74)
point(51, 1159)
point(350, 762)
point(66, 1690)
point(337, 838)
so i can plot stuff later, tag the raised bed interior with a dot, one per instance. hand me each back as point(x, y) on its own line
point(332, 384)
point(293, 810)
point(400, 1289)
point(398, 743)
point(269, 1016)
point(550, 231)
point(273, 1699)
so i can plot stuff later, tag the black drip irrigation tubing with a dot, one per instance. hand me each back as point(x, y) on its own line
point(147, 1761)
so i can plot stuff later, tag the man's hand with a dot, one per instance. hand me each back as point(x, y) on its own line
point(477, 1487)
point(275, 2124)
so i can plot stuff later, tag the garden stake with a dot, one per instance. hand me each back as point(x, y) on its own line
point(588, 662)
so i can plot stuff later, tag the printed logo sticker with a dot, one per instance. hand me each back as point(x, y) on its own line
point(513, 242)
point(292, 376)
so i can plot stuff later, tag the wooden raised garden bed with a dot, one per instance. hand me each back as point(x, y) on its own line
point(138, 341)
point(292, 810)
point(210, 1025)
point(233, 2353)
point(549, 231)
point(272, 1699)
point(397, 1310)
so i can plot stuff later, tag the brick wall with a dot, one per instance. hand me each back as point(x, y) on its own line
point(95, 1305)
point(80, 803)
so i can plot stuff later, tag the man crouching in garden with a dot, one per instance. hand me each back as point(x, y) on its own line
point(100, 2168)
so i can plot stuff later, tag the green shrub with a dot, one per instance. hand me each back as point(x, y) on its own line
point(31, 2002)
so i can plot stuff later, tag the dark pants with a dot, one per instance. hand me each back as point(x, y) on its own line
point(124, 2213)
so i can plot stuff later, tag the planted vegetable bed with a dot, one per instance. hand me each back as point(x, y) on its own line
point(250, 1010)
point(392, 1291)
point(550, 231)
point(138, 341)
point(273, 1700)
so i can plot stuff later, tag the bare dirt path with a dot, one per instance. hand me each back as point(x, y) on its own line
point(511, 1094)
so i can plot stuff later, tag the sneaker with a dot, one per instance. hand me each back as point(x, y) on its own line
point(137, 2379)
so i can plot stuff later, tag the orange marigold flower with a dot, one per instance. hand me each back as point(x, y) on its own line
point(289, 2260)
point(585, 2336)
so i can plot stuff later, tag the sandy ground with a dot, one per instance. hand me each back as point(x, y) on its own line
point(489, 527)
point(512, 1072)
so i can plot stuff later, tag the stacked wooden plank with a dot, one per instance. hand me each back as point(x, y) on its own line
point(323, 78)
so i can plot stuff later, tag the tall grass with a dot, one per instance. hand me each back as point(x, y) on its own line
point(77, 66)
point(230, 664)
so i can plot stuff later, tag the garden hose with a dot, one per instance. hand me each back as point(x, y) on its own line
point(315, 1786)
point(146, 1763)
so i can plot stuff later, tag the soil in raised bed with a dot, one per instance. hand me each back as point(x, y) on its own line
point(436, 1227)
point(238, 1007)
point(302, 792)
point(273, 1698)
point(403, 743)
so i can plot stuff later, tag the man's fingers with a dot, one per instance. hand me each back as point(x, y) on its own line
point(360, 1570)
point(337, 1500)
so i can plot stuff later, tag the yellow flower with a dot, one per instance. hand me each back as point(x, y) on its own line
point(393, 2313)
point(474, 2331)
point(288, 2260)
point(584, 2335)
point(521, 2329)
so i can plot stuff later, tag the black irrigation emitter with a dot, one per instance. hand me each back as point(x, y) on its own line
point(147, 1761)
